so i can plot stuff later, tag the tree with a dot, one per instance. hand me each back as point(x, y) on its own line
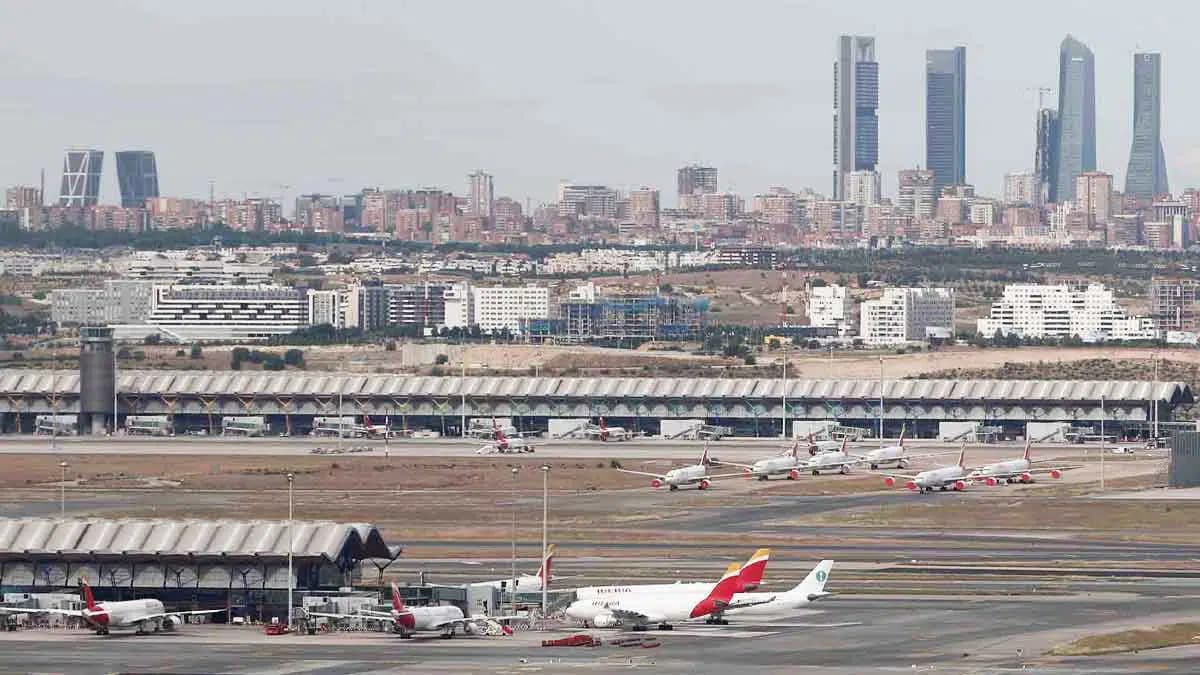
point(152, 339)
point(441, 359)
point(196, 351)
point(273, 362)
point(750, 360)
point(294, 357)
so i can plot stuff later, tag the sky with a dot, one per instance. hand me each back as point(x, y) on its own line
point(282, 98)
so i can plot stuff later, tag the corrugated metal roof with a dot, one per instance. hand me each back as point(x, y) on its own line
point(98, 537)
point(193, 383)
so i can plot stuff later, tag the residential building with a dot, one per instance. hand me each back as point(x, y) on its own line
point(500, 307)
point(907, 315)
point(644, 207)
point(864, 188)
point(1146, 177)
point(981, 212)
point(721, 207)
point(780, 206)
point(81, 178)
point(457, 307)
point(837, 220)
point(1076, 115)
point(421, 305)
point(137, 176)
point(1175, 304)
point(760, 257)
point(830, 306)
point(917, 196)
point(1021, 189)
point(22, 197)
point(1093, 196)
point(1054, 311)
point(952, 210)
point(946, 115)
point(217, 313)
point(116, 301)
point(855, 110)
point(1045, 157)
point(367, 306)
point(480, 194)
point(327, 307)
point(166, 213)
point(596, 201)
point(507, 215)
point(695, 179)
point(164, 270)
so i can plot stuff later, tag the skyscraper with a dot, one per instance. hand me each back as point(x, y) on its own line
point(694, 179)
point(855, 106)
point(1076, 115)
point(137, 175)
point(480, 194)
point(81, 178)
point(1147, 174)
point(946, 115)
point(1045, 157)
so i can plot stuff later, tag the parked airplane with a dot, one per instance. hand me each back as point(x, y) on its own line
point(942, 478)
point(696, 474)
point(841, 461)
point(816, 447)
point(372, 431)
point(527, 583)
point(144, 616)
point(604, 432)
point(1014, 471)
point(444, 619)
point(749, 577)
point(789, 464)
point(780, 605)
point(502, 444)
point(894, 455)
point(639, 610)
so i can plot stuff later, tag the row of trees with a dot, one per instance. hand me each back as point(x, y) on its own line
point(268, 360)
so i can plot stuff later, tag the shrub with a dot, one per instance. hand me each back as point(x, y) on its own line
point(293, 357)
point(441, 359)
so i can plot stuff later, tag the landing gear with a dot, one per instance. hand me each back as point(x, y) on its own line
point(816, 472)
point(874, 467)
point(716, 621)
point(903, 464)
point(665, 626)
point(638, 629)
point(845, 469)
point(764, 477)
point(101, 631)
point(674, 488)
point(944, 488)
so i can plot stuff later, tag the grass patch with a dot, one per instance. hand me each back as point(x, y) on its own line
point(1170, 635)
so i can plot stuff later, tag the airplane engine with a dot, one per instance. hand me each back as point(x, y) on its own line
point(471, 629)
point(959, 485)
point(889, 482)
point(704, 484)
point(748, 473)
point(991, 482)
point(1026, 478)
point(1056, 474)
point(794, 475)
point(656, 483)
point(911, 485)
point(172, 621)
point(605, 621)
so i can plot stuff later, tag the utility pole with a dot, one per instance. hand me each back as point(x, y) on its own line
point(1103, 443)
point(463, 390)
point(545, 521)
point(881, 399)
point(291, 543)
point(512, 588)
point(785, 390)
point(62, 490)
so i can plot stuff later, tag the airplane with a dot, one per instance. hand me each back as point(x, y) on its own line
point(502, 444)
point(637, 611)
point(604, 432)
point(696, 474)
point(444, 619)
point(372, 431)
point(816, 447)
point(825, 461)
point(780, 605)
point(1014, 471)
point(943, 478)
point(749, 577)
point(527, 582)
point(895, 455)
point(787, 464)
point(144, 616)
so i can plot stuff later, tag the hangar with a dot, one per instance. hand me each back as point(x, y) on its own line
point(198, 563)
point(288, 402)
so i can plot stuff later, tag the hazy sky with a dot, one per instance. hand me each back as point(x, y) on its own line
point(331, 96)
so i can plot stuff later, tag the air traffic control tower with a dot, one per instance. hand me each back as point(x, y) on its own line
point(97, 379)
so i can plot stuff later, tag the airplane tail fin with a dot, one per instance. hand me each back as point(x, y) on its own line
point(751, 573)
point(845, 440)
point(1027, 444)
point(397, 601)
point(704, 460)
point(725, 589)
point(902, 430)
point(962, 455)
point(813, 586)
point(544, 572)
point(88, 597)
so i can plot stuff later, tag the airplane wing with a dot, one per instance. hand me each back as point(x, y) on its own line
point(1012, 474)
point(193, 612)
point(890, 474)
point(635, 616)
point(722, 608)
point(724, 463)
point(725, 475)
point(363, 614)
point(642, 473)
point(28, 610)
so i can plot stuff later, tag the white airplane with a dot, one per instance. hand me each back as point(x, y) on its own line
point(502, 444)
point(943, 478)
point(749, 577)
point(444, 619)
point(781, 605)
point(894, 455)
point(696, 474)
point(143, 616)
point(527, 582)
point(639, 610)
point(1014, 471)
point(372, 431)
point(788, 464)
point(816, 447)
point(841, 461)
point(604, 432)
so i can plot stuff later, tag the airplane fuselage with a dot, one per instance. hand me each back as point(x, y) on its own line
point(892, 456)
point(939, 478)
point(828, 461)
point(775, 466)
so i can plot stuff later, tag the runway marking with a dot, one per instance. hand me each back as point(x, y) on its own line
point(289, 667)
point(713, 632)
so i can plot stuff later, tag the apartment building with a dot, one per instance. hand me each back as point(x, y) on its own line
point(206, 313)
point(498, 307)
point(830, 307)
point(907, 315)
point(1039, 310)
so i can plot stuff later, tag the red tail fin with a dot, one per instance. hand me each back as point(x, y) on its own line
point(544, 572)
point(397, 601)
point(89, 598)
point(721, 593)
point(751, 573)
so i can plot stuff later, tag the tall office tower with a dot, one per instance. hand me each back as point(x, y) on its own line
point(1147, 174)
point(480, 194)
point(1076, 116)
point(1045, 157)
point(946, 115)
point(694, 179)
point(916, 197)
point(81, 178)
point(855, 106)
point(137, 174)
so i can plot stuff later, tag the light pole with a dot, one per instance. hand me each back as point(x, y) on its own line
point(881, 400)
point(545, 513)
point(62, 490)
point(784, 430)
point(291, 542)
point(512, 587)
point(1102, 443)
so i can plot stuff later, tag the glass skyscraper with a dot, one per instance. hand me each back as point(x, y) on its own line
point(855, 106)
point(1076, 116)
point(137, 175)
point(1147, 174)
point(946, 116)
point(81, 178)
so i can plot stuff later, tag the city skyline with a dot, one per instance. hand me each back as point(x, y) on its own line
point(670, 117)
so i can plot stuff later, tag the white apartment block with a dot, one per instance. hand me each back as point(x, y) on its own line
point(183, 271)
point(500, 307)
point(117, 301)
point(327, 307)
point(215, 313)
point(1063, 310)
point(907, 315)
point(830, 307)
point(459, 312)
point(864, 188)
point(1021, 188)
